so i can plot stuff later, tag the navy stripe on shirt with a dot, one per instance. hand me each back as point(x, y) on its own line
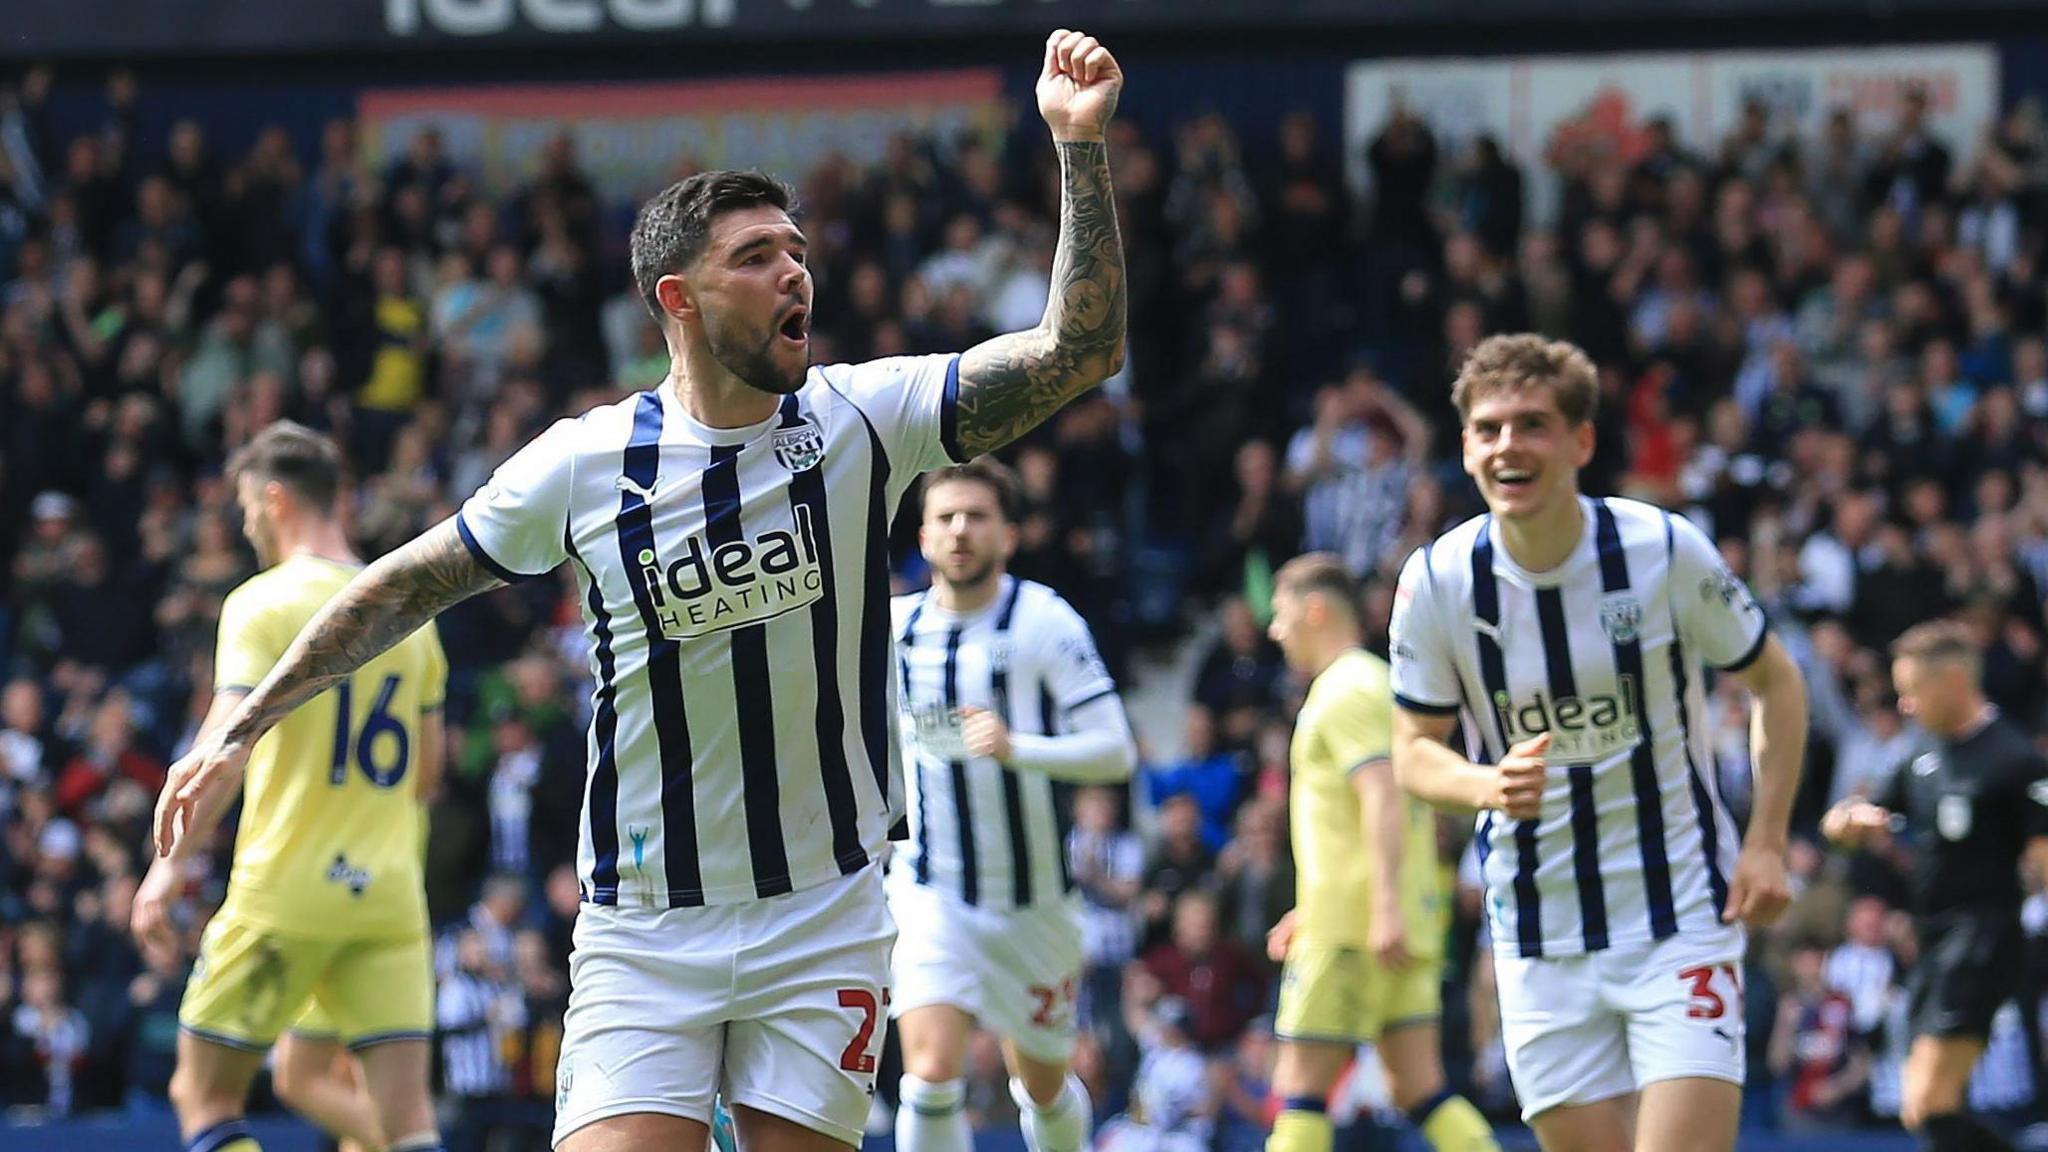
point(638, 556)
point(1013, 793)
point(922, 837)
point(1702, 800)
point(1062, 790)
point(874, 619)
point(1557, 662)
point(1621, 614)
point(963, 808)
point(807, 499)
point(602, 798)
point(762, 793)
point(1493, 668)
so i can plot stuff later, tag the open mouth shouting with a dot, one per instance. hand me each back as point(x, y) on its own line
point(795, 328)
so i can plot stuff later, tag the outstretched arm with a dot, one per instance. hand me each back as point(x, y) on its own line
point(384, 604)
point(1012, 383)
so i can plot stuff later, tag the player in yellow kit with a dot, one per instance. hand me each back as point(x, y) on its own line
point(312, 1070)
point(1363, 947)
point(326, 904)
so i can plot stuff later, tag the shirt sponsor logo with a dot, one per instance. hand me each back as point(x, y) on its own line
point(711, 589)
point(938, 730)
point(1582, 728)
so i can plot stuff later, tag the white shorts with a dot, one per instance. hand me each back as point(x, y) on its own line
point(1015, 970)
point(777, 1003)
point(1584, 1028)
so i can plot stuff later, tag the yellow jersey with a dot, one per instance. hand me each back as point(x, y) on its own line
point(1347, 722)
point(398, 370)
point(331, 827)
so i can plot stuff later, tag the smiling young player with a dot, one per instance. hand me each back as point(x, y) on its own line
point(1573, 635)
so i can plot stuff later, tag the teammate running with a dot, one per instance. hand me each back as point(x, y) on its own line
point(1005, 707)
point(1572, 634)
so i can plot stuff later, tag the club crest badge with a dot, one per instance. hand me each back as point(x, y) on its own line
point(1622, 618)
point(799, 448)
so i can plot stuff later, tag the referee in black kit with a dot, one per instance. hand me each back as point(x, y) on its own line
point(1975, 799)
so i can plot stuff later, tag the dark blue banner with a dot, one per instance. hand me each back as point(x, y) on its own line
point(156, 28)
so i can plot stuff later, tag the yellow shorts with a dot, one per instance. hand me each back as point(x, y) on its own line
point(1338, 995)
point(250, 983)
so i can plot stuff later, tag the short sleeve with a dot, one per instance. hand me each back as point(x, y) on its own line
point(1073, 669)
point(1425, 672)
point(249, 642)
point(517, 524)
point(1716, 613)
point(1358, 727)
point(912, 402)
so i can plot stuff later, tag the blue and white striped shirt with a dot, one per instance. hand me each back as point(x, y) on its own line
point(981, 831)
point(736, 596)
point(1607, 653)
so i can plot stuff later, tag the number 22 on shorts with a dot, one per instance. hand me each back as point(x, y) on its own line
point(857, 1058)
point(1054, 1005)
point(1706, 1003)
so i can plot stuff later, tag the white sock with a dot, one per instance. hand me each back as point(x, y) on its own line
point(932, 1117)
point(1061, 1126)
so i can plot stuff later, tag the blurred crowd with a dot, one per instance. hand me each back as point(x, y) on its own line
point(1827, 349)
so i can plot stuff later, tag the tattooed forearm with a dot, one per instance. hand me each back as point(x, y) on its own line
point(384, 604)
point(1010, 384)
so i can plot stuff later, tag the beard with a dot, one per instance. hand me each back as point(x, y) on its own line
point(753, 361)
point(974, 574)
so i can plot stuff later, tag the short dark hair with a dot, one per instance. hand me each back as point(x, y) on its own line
point(1321, 572)
point(670, 231)
point(997, 476)
point(306, 462)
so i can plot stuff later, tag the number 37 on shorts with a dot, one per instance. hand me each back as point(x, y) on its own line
point(1715, 990)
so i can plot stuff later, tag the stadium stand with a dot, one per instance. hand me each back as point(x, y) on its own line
point(1828, 350)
